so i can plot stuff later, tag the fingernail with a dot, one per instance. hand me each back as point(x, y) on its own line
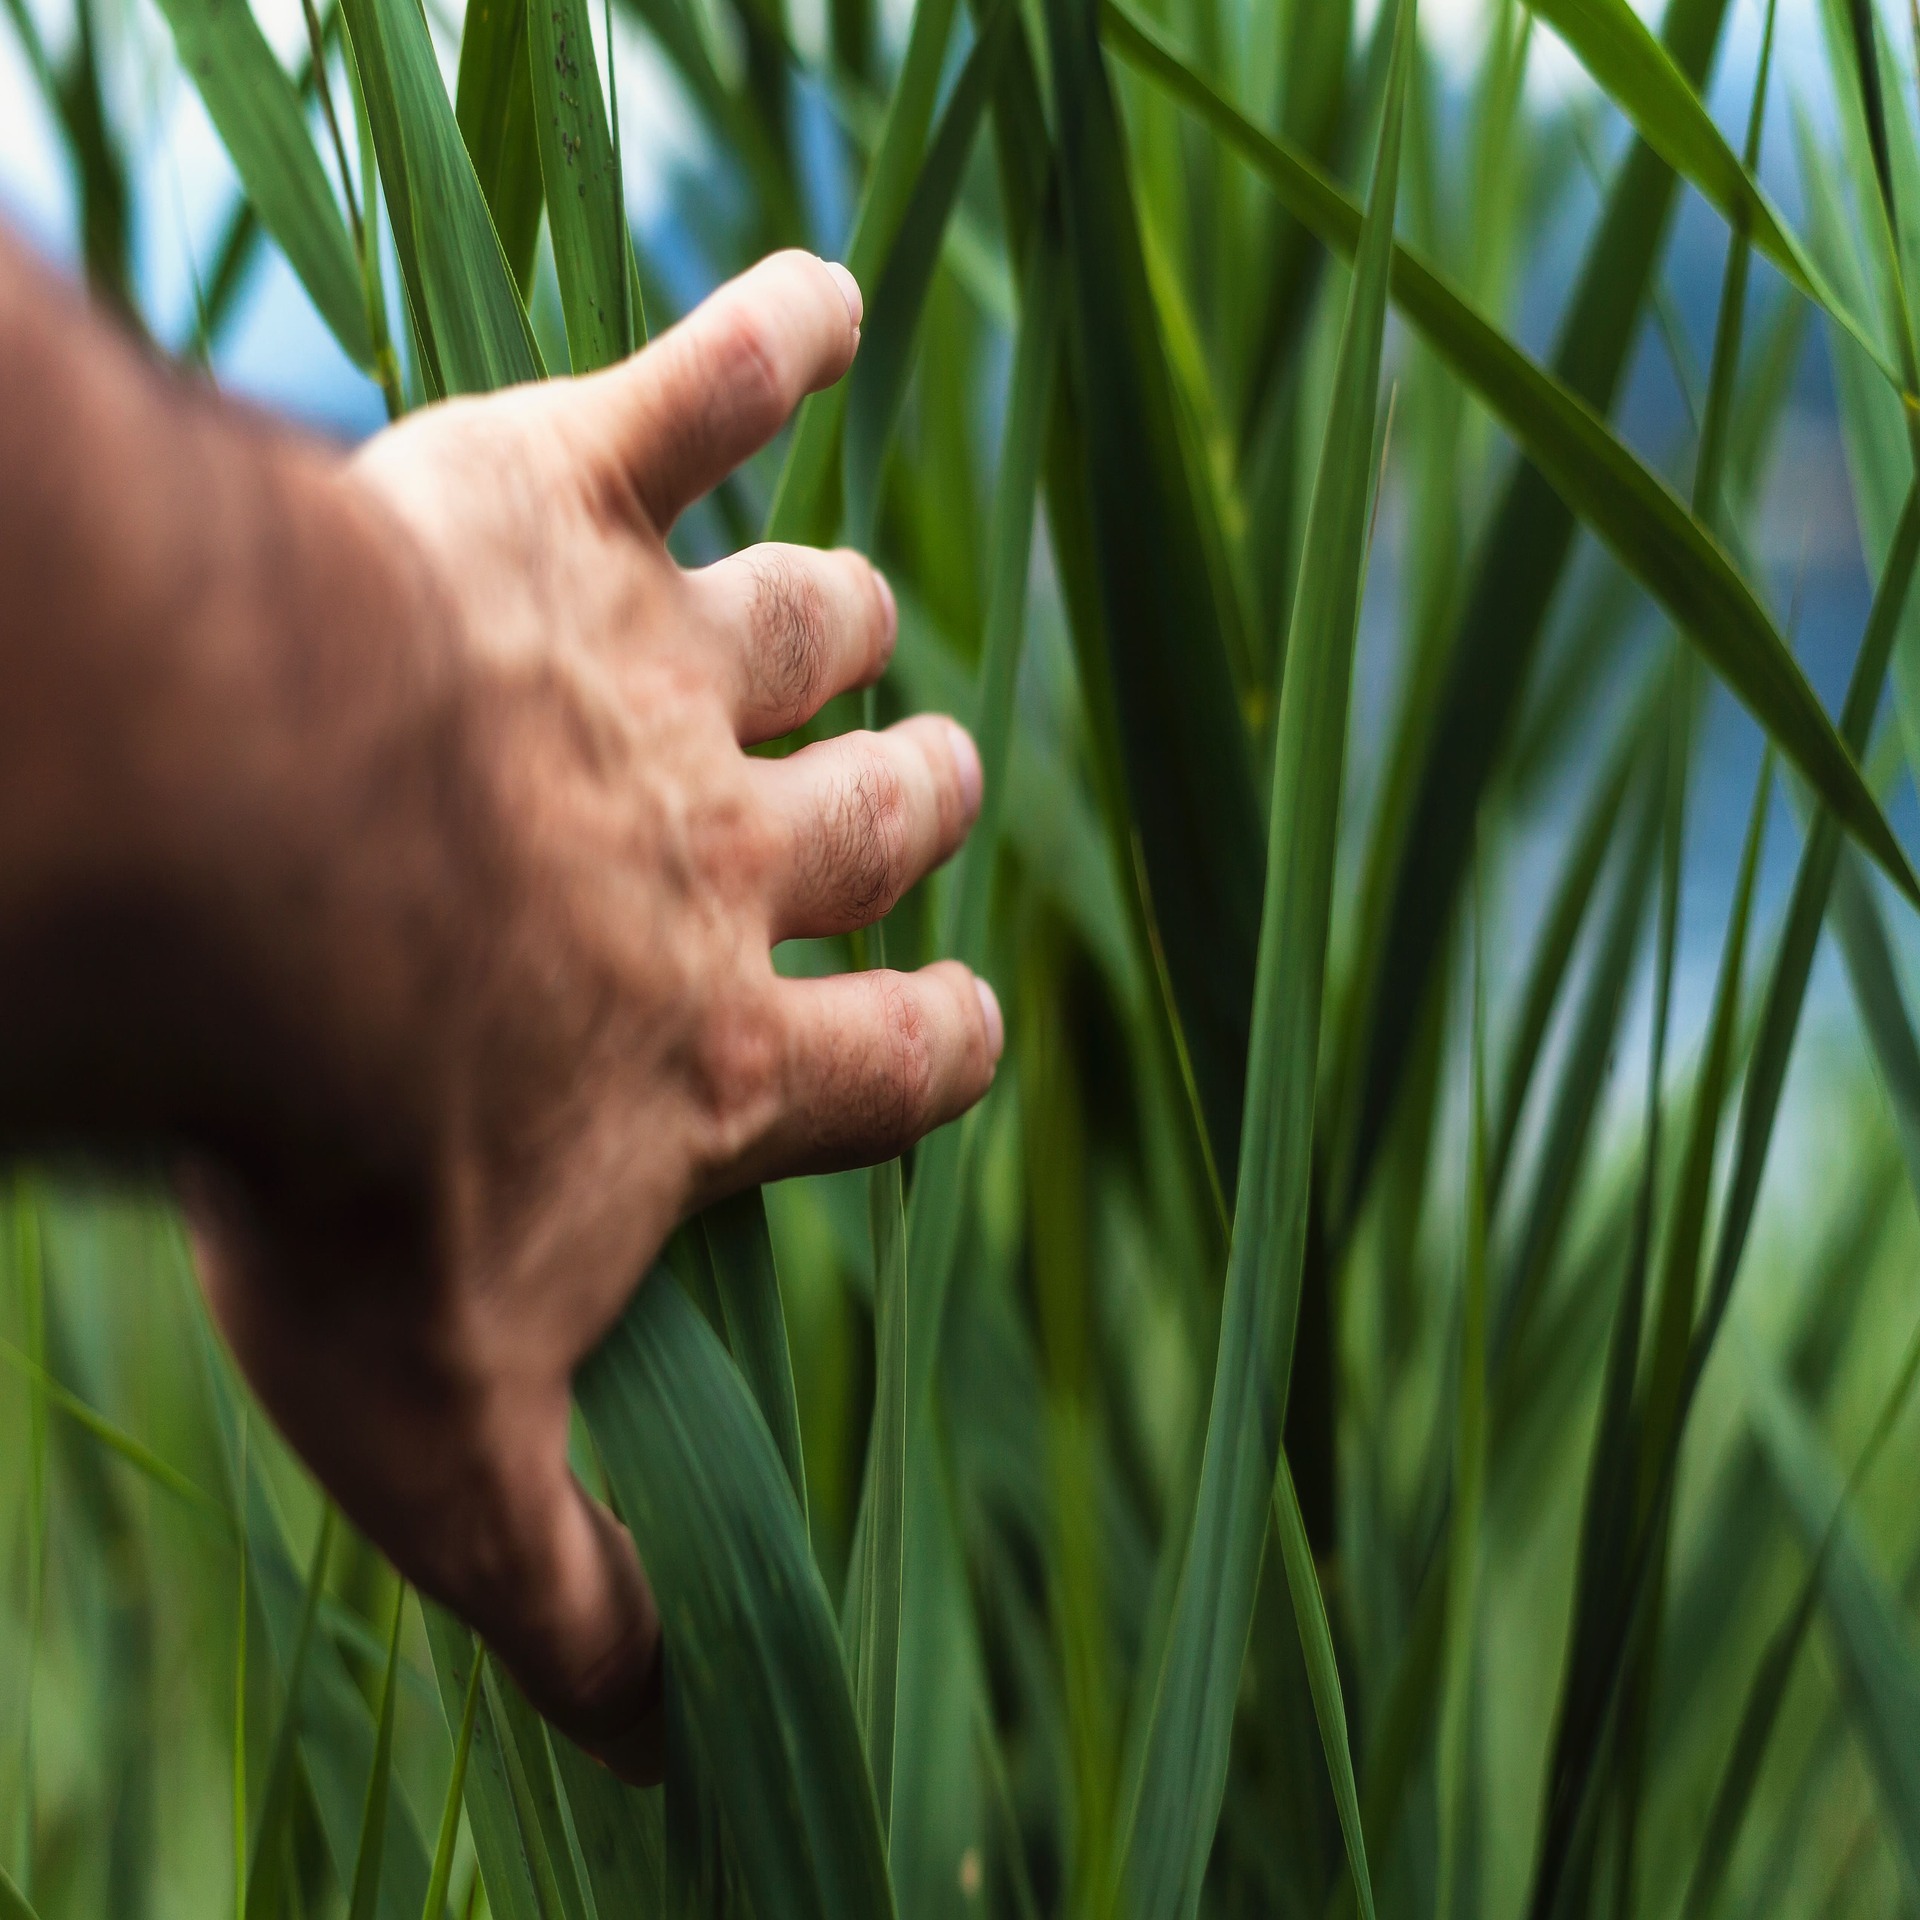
point(990, 1012)
point(849, 291)
point(966, 764)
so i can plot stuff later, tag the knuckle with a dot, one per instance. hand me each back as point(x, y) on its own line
point(747, 360)
point(907, 1060)
point(738, 1073)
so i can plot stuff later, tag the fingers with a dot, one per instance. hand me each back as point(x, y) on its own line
point(866, 815)
point(801, 626)
point(876, 1060)
point(716, 388)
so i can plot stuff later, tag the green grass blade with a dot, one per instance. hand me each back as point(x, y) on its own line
point(940, 1179)
point(1323, 1675)
point(240, 1703)
point(1588, 844)
point(1454, 1760)
point(1643, 80)
point(336, 1730)
point(1793, 959)
point(1181, 742)
point(878, 382)
point(536, 1796)
point(747, 1287)
point(618, 1831)
point(1766, 1692)
point(493, 103)
point(1883, 1010)
point(1496, 631)
point(1569, 1120)
point(747, 1626)
point(870, 1622)
point(13, 1903)
point(436, 1896)
point(462, 292)
point(1867, 1621)
point(585, 217)
point(257, 112)
point(364, 1903)
point(499, 1843)
point(1175, 1800)
point(803, 504)
point(117, 1441)
point(1677, 1293)
point(264, 1879)
point(1673, 555)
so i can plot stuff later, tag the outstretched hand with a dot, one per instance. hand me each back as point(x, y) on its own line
point(537, 963)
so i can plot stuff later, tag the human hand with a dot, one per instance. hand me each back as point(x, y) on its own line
point(535, 958)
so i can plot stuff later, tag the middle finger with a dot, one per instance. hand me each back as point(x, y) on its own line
point(865, 816)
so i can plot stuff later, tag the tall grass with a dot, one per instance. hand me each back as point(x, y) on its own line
point(1399, 1400)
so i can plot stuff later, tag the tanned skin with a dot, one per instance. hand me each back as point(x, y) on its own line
point(379, 853)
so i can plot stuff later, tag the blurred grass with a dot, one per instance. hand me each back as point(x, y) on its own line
point(1559, 1320)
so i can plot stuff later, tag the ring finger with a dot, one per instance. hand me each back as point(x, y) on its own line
point(866, 815)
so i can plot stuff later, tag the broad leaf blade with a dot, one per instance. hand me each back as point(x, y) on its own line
point(493, 102)
point(585, 209)
point(257, 111)
point(747, 1626)
point(458, 281)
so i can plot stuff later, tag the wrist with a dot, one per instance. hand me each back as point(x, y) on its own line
point(233, 823)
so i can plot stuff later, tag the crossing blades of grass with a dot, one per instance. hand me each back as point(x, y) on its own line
point(617, 1831)
point(442, 1875)
point(373, 1819)
point(264, 1878)
point(1454, 1759)
point(493, 103)
point(336, 1730)
point(1588, 843)
point(1867, 1620)
point(536, 1797)
point(878, 382)
point(1767, 1691)
point(1793, 958)
point(1883, 1009)
point(939, 1187)
point(738, 1260)
point(257, 111)
point(1644, 81)
point(870, 1611)
point(1497, 626)
point(585, 220)
point(1621, 499)
point(485, 1785)
point(1323, 1675)
point(803, 504)
point(13, 1903)
point(462, 292)
point(1182, 746)
point(118, 1442)
point(1175, 1801)
point(747, 1626)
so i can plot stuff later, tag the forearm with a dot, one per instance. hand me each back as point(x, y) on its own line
point(219, 673)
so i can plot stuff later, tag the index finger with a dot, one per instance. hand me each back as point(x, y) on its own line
point(713, 390)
